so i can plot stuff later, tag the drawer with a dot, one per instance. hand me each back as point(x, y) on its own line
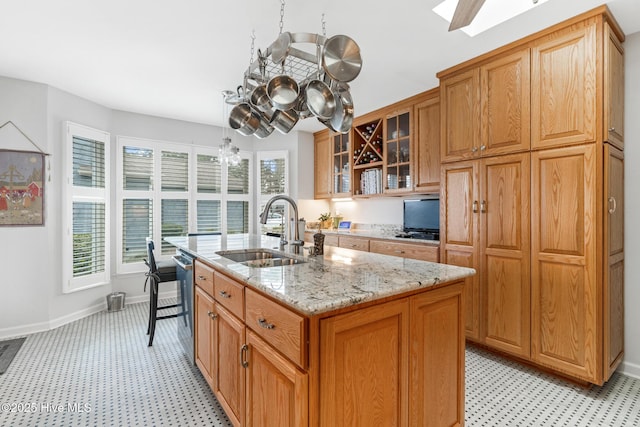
point(277, 325)
point(406, 250)
point(230, 294)
point(330, 240)
point(203, 276)
point(356, 243)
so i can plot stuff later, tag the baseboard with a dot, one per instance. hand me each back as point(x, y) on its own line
point(630, 369)
point(22, 330)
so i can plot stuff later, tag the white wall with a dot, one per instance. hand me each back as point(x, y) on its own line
point(631, 363)
point(25, 252)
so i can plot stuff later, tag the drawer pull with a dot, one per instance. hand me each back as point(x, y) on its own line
point(224, 294)
point(243, 355)
point(612, 129)
point(263, 323)
point(612, 205)
point(201, 277)
point(212, 315)
point(398, 251)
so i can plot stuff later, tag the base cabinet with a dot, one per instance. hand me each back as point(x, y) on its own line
point(231, 374)
point(205, 344)
point(396, 364)
point(277, 391)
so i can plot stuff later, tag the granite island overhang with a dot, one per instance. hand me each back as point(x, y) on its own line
point(337, 279)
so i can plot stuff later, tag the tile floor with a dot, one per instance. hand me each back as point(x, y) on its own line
point(98, 371)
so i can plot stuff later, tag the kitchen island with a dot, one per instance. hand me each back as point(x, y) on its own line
point(345, 338)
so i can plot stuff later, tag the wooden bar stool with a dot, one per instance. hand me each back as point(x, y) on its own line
point(159, 272)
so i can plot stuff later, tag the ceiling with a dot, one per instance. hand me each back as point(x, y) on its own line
point(172, 58)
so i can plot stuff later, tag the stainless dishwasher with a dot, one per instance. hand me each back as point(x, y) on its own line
point(184, 273)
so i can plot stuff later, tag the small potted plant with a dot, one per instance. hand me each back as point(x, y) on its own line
point(325, 220)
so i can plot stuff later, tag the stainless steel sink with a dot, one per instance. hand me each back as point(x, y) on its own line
point(260, 258)
point(272, 262)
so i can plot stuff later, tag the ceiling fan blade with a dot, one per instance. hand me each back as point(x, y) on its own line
point(466, 10)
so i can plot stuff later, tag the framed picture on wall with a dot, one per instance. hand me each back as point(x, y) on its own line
point(21, 188)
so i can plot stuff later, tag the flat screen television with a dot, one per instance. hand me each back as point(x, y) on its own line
point(421, 216)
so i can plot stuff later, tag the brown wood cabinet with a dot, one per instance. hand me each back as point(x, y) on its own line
point(205, 337)
point(577, 264)
point(563, 87)
point(405, 250)
point(398, 151)
point(485, 207)
point(426, 157)
point(399, 361)
point(550, 282)
point(369, 354)
point(614, 268)
point(460, 116)
point(231, 374)
point(357, 243)
point(277, 391)
point(613, 108)
point(322, 165)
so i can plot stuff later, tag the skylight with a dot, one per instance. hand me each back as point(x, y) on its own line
point(492, 13)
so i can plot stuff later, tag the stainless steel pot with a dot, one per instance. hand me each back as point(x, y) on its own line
point(320, 100)
point(260, 99)
point(284, 120)
point(243, 119)
point(341, 58)
point(342, 119)
point(264, 129)
point(283, 91)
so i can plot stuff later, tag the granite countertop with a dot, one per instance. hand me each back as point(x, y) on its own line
point(376, 234)
point(339, 278)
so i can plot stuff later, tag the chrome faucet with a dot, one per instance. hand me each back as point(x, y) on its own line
point(296, 243)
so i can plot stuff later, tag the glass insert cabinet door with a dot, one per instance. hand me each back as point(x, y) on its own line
point(398, 152)
point(341, 170)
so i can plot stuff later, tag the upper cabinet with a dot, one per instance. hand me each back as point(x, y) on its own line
point(613, 89)
point(397, 141)
point(332, 166)
point(322, 165)
point(485, 110)
point(341, 165)
point(426, 158)
point(460, 120)
point(505, 104)
point(564, 87)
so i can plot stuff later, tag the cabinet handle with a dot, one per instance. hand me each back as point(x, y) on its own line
point(263, 323)
point(212, 315)
point(483, 207)
point(243, 355)
point(474, 149)
point(483, 147)
point(475, 206)
point(612, 129)
point(200, 277)
point(612, 201)
point(398, 251)
point(224, 294)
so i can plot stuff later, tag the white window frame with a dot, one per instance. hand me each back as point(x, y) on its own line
point(73, 194)
point(262, 199)
point(156, 195)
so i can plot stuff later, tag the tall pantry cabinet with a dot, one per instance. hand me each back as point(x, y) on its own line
point(532, 146)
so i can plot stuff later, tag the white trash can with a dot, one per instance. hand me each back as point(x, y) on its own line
point(115, 301)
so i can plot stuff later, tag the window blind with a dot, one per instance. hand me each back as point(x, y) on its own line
point(174, 169)
point(137, 225)
point(209, 216)
point(209, 174)
point(238, 178)
point(237, 217)
point(137, 168)
point(175, 221)
point(89, 237)
point(88, 163)
point(272, 176)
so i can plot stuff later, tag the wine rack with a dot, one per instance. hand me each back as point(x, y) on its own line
point(368, 156)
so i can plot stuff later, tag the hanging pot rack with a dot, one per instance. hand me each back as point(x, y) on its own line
point(334, 61)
